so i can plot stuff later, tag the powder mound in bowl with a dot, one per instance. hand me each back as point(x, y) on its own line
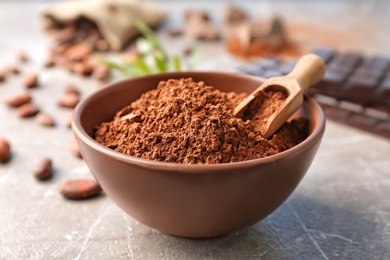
point(183, 121)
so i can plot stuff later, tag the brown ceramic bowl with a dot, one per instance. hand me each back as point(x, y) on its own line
point(192, 200)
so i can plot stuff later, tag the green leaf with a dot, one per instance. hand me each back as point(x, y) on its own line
point(149, 35)
point(176, 63)
point(131, 70)
point(143, 46)
point(142, 65)
point(161, 65)
point(124, 68)
point(111, 64)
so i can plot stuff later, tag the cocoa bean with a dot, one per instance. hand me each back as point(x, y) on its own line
point(45, 119)
point(78, 189)
point(82, 69)
point(79, 52)
point(102, 45)
point(58, 49)
point(21, 56)
point(28, 110)
point(17, 100)
point(2, 76)
point(175, 32)
point(43, 170)
point(30, 80)
point(69, 100)
point(101, 72)
point(49, 62)
point(200, 15)
point(72, 89)
point(233, 15)
point(5, 150)
point(64, 35)
point(11, 70)
point(68, 121)
point(61, 62)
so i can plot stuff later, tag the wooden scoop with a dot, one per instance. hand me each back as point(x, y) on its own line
point(309, 70)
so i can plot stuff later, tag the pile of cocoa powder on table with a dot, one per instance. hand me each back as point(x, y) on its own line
point(183, 121)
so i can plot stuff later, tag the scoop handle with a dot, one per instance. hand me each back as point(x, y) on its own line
point(309, 70)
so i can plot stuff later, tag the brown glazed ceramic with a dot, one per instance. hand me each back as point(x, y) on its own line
point(192, 200)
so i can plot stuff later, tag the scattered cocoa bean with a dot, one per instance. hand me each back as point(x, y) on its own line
point(5, 150)
point(28, 110)
point(78, 52)
point(61, 62)
point(234, 15)
point(78, 189)
point(2, 76)
point(17, 100)
point(199, 28)
point(58, 49)
point(43, 170)
point(74, 147)
point(208, 33)
point(9, 70)
point(21, 56)
point(65, 35)
point(201, 15)
point(82, 69)
point(100, 72)
point(92, 38)
point(49, 62)
point(175, 32)
point(45, 119)
point(68, 121)
point(69, 100)
point(30, 80)
point(72, 89)
point(102, 45)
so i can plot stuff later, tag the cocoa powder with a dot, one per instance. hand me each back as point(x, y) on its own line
point(184, 121)
point(266, 103)
point(261, 48)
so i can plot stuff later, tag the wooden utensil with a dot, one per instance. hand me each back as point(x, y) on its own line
point(309, 70)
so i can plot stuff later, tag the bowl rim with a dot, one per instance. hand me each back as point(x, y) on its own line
point(79, 131)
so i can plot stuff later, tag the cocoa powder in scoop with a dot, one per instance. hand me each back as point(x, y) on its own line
point(183, 121)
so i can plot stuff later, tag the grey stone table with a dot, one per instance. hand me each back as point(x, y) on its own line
point(341, 210)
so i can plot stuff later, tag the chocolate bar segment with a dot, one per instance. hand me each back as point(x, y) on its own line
point(338, 114)
point(384, 90)
point(361, 85)
point(346, 61)
point(363, 122)
point(384, 129)
point(376, 66)
point(332, 83)
point(325, 53)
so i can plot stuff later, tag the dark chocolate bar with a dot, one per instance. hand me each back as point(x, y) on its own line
point(354, 91)
point(350, 76)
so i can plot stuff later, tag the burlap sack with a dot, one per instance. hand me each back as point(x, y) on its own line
point(114, 18)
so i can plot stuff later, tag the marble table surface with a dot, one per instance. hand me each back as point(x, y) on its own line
point(341, 209)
